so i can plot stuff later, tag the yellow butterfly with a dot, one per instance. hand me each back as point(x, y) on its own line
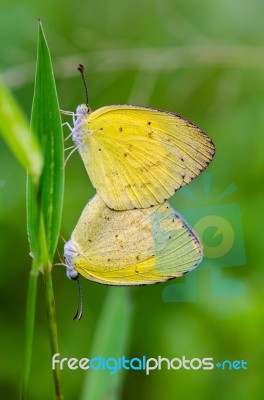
point(137, 157)
point(132, 247)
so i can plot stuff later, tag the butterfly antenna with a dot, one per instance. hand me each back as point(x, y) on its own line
point(78, 314)
point(81, 69)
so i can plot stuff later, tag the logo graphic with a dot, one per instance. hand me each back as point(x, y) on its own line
point(113, 365)
point(232, 365)
point(219, 228)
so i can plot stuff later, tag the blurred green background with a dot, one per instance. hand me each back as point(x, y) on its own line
point(203, 60)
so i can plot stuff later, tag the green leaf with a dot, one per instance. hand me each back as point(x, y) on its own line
point(111, 339)
point(46, 123)
point(16, 132)
point(44, 204)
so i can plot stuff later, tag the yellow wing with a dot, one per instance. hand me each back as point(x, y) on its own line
point(133, 247)
point(137, 157)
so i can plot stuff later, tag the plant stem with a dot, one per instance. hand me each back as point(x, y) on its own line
point(50, 306)
point(29, 327)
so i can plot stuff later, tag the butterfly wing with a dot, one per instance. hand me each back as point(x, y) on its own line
point(137, 157)
point(133, 247)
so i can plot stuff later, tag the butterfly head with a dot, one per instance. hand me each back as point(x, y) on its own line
point(83, 109)
point(69, 254)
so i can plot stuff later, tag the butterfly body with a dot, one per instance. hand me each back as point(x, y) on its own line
point(132, 247)
point(137, 157)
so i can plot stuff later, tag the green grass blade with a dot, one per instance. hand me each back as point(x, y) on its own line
point(16, 132)
point(46, 122)
point(44, 202)
point(111, 339)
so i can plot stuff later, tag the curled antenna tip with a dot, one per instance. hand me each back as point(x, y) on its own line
point(81, 68)
point(77, 316)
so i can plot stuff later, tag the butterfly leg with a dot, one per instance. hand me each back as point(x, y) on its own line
point(70, 128)
point(74, 116)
